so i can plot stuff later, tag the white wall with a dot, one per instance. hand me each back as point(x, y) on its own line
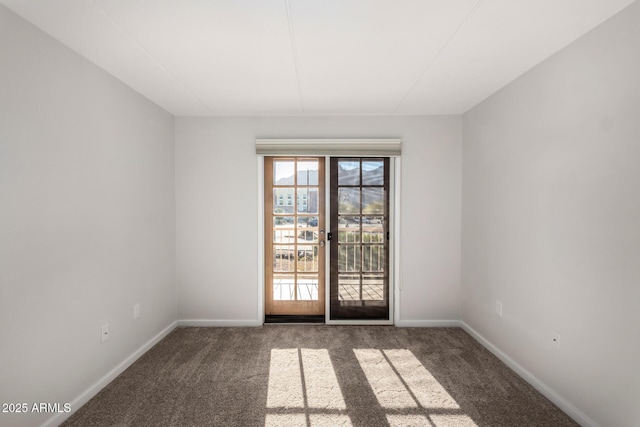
point(551, 221)
point(86, 220)
point(217, 204)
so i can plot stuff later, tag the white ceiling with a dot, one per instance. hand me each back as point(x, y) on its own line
point(316, 57)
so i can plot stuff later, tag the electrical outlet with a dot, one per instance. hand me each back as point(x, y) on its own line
point(136, 311)
point(499, 308)
point(104, 332)
point(555, 339)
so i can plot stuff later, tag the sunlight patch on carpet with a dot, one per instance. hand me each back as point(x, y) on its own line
point(303, 390)
point(329, 420)
point(425, 388)
point(452, 421)
point(291, 420)
point(285, 381)
point(320, 379)
point(408, 420)
point(387, 387)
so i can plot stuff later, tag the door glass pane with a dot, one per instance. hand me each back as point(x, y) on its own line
point(308, 258)
point(349, 287)
point(372, 229)
point(283, 229)
point(373, 172)
point(307, 200)
point(373, 201)
point(283, 221)
point(307, 287)
point(349, 229)
point(373, 258)
point(283, 201)
point(283, 287)
point(307, 221)
point(373, 287)
point(283, 172)
point(308, 172)
point(283, 258)
point(348, 200)
point(348, 172)
point(307, 236)
point(349, 257)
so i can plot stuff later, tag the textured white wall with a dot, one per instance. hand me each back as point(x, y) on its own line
point(551, 221)
point(217, 204)
point(86, 220)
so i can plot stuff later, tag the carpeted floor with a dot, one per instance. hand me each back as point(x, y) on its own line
point(320, 375)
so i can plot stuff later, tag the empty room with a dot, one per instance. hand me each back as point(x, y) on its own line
point(320, 213)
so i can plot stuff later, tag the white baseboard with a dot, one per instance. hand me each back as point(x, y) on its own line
point(428, 324)
point(89, 393)
point(577, 415)
point(208, 323)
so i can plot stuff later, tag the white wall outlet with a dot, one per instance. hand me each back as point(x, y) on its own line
point(499, 308)
point(555, 339)
point(136, 311)
point(104, 332)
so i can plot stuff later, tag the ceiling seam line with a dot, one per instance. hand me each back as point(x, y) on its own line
point(150, 56)
point(292, 38)
point(444, 46)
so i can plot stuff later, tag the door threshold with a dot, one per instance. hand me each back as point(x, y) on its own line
point(285, 318)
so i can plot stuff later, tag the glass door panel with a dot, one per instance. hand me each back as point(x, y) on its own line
point(359, 205)
point(294, 230)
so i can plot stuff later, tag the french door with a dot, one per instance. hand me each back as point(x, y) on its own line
point(294, 236)
point(360, 239)
point(297, 242)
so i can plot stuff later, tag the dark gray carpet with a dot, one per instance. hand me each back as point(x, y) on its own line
point(320, 375)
